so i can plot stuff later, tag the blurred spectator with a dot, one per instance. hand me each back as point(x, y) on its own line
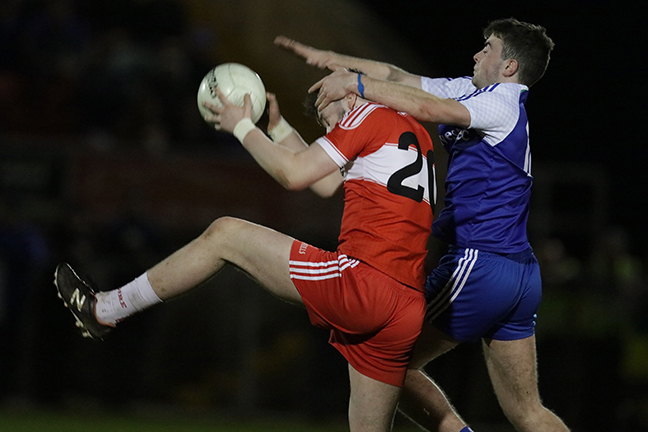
point(123, 72)
point(42, 49)
point(616, 269)
point(559, 269)
point(614, 266)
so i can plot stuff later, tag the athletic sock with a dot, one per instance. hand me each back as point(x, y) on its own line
point(116, 305)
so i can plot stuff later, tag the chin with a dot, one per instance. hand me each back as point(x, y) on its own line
point(478, 83)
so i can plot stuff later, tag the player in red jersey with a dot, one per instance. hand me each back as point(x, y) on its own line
point(368, 292)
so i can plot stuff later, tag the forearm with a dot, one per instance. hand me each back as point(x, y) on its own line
point(293, 170)
point(277, 160)
point(284, 134)
point(378, 70)
point(418, 103)
point(291, 139)
point(371, 68)
point(332, 60)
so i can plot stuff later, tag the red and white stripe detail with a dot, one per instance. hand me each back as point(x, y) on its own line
point(353, 118)
point(306, 270)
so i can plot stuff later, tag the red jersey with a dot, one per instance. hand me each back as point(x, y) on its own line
point(390, 189)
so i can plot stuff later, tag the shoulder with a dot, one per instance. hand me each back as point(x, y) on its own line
point(495, 99)
point(496, 109)
point(504, 91)
point(369, 112)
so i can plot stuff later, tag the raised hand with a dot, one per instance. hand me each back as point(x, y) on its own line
point(227, 116)
point(334, 87)
point(313, 56)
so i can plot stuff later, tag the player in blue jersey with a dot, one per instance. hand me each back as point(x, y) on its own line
point(487, 286)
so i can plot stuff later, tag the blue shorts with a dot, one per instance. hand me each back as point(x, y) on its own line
point(474, 294)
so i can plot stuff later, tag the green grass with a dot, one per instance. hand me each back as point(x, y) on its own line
point(25, 421)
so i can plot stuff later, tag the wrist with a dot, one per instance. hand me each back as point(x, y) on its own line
point(242, 128)
point(281, 131)
point(360, 86)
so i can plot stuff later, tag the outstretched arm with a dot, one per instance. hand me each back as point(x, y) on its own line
point(420, 104)
point(382, 82)
point(282, 133)
point(293, 170)
point(332, 60)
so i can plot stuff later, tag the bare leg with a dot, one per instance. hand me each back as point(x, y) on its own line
point(513, 372)
point(422, 400)
point(264, 254)
point(372, 403)
point(425, 404)
point(261, 252)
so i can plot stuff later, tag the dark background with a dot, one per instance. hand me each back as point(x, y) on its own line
point(105, 163)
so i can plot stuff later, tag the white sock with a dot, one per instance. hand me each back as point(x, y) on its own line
point(116, 305)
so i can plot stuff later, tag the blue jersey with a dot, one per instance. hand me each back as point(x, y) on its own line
point(488, 184)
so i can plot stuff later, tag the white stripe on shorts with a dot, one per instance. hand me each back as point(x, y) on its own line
point(306, 270)
point(454, 286)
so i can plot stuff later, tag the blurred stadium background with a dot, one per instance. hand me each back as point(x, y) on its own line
point(105, 162)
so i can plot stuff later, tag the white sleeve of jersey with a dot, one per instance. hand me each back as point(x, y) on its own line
point(332, 151)
point(448, 87)
point(494, 111)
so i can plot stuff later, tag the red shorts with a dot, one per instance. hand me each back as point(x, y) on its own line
point(374, 319)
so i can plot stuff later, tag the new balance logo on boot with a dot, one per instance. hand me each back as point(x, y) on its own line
point(79, 297)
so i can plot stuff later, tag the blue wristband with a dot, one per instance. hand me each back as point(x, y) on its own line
point(360, 86)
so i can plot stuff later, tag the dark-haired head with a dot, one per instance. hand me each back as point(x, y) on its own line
point(527, 43)
point(309, 106)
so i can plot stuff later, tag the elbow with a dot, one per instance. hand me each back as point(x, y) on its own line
point(292, 183)
point(432, 114)
point(293, 187)
point(290, 176)
point(324, 192)
point(395, 74)
point(427, 114)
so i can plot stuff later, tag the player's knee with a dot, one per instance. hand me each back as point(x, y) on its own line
point(221, 229)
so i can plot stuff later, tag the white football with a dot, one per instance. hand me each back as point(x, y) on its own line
point(234, 80)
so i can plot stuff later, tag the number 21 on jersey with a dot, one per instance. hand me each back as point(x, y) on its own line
point(415, 180)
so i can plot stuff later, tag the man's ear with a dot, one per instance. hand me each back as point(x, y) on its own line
point(351, 100)
point(510, 68)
